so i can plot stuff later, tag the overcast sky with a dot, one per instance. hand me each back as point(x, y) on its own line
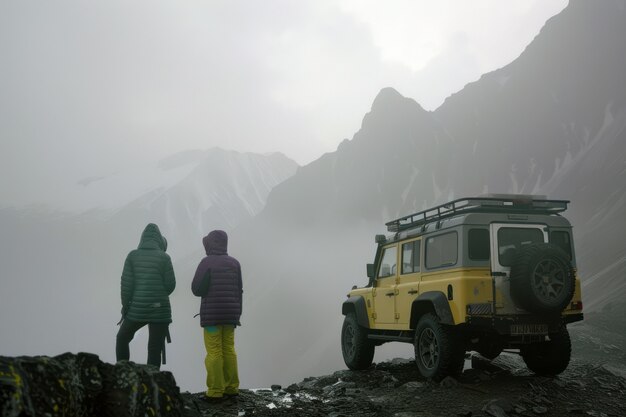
point(86, 88)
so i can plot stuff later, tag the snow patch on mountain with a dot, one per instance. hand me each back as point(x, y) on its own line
point(220, 191)
point(114, 190)
point(192, 181)
point(409, 186)
point(563, 169)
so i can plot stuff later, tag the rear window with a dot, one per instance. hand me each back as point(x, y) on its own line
point(512, 238)
point(562, 240)
point(441, 250)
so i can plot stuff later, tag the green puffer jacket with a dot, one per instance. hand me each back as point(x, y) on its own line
point(148, 280)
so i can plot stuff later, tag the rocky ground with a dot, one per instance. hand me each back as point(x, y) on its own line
point(499, 388)
point(593, 385)
point(601, 338)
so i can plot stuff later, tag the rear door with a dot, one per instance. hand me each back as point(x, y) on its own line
point(506, 238)
point(408, 280)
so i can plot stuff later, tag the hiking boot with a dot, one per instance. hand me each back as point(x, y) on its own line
point(212, 400)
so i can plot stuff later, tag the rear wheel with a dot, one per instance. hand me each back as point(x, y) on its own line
point(439, 351)
point(550, 357)
point(357, 349)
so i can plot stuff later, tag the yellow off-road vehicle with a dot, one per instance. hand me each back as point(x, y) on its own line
point(484, 274)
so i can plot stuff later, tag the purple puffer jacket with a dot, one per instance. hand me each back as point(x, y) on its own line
point(221, 304)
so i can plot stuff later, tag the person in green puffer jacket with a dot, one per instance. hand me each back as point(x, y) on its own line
point(147, 281)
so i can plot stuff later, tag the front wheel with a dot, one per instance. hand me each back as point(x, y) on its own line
point(550, 357)
point(357, 349)
point(439, 351)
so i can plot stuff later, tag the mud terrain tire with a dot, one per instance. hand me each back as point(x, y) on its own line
point(357, 349)
point(551, 357)
point(542, 278)
point(439, 351)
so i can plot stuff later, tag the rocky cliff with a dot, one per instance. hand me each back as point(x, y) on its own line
point(82, 385)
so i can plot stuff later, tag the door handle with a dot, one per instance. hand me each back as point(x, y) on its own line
point(413, 292)
point(390, 294)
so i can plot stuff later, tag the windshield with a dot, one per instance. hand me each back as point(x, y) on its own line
point(388, 263)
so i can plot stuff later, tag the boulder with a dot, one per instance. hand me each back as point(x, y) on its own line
point(82, 385)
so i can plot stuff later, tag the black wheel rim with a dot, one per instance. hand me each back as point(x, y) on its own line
point(349, 344)
point(428, 348)
point(548, 280)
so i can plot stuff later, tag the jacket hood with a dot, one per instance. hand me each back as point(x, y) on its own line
point(151, 238)
point(216, 243)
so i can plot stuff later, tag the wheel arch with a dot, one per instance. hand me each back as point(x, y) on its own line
point(356, 305)
point(434, 302)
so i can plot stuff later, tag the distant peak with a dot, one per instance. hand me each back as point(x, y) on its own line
point(387, 94)
point(390, 97)
point(279, 155)
point(180, 159)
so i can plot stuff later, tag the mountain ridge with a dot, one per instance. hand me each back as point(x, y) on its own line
point(504, 133)
point(533, 126)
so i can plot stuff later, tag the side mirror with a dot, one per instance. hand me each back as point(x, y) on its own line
point(380, 239)
point(370, 271)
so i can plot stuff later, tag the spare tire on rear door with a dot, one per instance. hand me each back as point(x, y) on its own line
point(542, 278)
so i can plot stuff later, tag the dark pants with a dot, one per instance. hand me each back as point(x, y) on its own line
point(156, 340)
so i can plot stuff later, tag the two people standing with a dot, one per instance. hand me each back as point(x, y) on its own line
point(148, 280)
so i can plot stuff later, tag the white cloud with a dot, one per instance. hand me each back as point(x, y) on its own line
point(414, 33)
point(92, 86)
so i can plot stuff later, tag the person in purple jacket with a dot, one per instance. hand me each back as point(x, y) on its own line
point(218, 282)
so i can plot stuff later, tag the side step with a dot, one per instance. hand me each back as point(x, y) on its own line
point(391, 338)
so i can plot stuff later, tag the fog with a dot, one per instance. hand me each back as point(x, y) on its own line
point(94, 94)
point(89, 90)
point(292, 298)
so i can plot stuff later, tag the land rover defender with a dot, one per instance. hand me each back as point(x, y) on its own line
point(475, 274)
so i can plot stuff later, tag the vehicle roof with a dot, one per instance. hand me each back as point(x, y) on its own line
point(482, 219)
point(490, 203)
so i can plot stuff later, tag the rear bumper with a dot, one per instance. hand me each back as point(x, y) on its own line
point(502, 324)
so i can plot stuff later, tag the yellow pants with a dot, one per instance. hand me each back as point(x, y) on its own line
point(221, 361)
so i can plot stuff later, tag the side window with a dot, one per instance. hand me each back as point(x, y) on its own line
point(478, 244)
point(441, 250)
point(416, 255)
point(407, 258)
point(411, 257)
point(563, 241)
point(388, 263)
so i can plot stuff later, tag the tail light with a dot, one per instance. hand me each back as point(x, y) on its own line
point(576, 305)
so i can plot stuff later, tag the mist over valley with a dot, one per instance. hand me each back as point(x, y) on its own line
point(552, 122)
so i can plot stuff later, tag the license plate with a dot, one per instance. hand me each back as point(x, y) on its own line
point(517, 329)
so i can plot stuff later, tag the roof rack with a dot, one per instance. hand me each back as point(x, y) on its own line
point(527, 204)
